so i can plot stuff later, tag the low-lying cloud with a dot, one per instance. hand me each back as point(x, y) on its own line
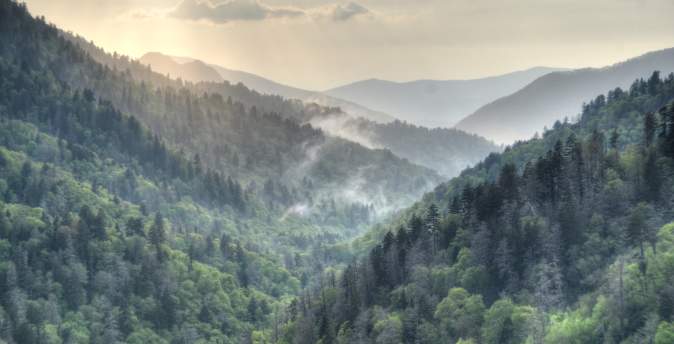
point(254, 10)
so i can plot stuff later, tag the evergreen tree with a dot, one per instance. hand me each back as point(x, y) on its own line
point(157, 234)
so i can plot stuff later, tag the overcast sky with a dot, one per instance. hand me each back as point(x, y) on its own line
point(319, 44)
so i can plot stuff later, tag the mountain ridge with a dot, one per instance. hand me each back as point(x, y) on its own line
point(443, 155)
point(435, 103)
point(557, 95)
point(264, 85)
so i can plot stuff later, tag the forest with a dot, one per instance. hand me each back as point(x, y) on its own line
point(560, 239)
point(136, 208)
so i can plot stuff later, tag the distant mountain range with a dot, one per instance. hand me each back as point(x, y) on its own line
point(447, 151)
point(194, 70)
point(435, 103)
point(557, 95)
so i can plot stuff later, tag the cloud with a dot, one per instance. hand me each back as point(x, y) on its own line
point(348, 11)
point(254, 10)
point(231, 10)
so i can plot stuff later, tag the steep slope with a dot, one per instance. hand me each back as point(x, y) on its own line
point(255, 138)
point(559, 239)
point(445, 151)
point(175, 66)
point(109, 235)
point(558, 95)
point(435, 103)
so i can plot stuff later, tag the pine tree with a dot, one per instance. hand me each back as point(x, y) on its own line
point(650, 125)
point(433, 225)
point(157, 234)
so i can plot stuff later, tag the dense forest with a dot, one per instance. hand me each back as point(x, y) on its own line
point(560, 239)
point(111, 233)
point(254, 138)
point(135, 208)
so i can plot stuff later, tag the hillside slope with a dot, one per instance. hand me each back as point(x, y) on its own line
point(435, 103)
point(443, 150)
point(559, 239)
point(255, 138)
point(556, 96)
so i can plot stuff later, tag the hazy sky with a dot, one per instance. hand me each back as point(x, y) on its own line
point(319, 44)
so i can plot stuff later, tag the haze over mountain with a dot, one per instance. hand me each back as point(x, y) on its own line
point(435, 103)
point(195, 70)
point(144, 209)
point(447, 151)
point(557, 95)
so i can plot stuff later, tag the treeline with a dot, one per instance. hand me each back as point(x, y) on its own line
point(567, 221)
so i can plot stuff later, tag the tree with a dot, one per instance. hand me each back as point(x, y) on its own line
point(388, 330)
point(433, 225)
point(224, 245)
point(243, 266)
point(505, 322)
point(508, 181)
point(638, 228)
point(460, 313)
point(157, 234)
point(665, 333)
point(650, 125)
point(651, 177)
point(134, 226)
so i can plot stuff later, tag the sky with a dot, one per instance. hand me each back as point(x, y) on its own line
point(321, 44)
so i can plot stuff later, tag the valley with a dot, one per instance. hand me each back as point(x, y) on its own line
point(169, 200)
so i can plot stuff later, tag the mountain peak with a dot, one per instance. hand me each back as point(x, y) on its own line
point(194, 70)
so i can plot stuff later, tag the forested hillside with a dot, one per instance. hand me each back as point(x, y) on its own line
point(443, 150)
point(111, 234)
point(560, 239)
point(448, 151)
point(257, 139)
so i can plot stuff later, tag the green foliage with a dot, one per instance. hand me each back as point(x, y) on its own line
point(665, 333)
point(554, 240)
point(505, 322)
point(460, 314)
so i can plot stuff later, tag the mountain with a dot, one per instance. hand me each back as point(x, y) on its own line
point(556, 96)
point(195, 71)
point(564, 238)
point(259, 139)
point(107, 235)
point(136, 208)
point(435, 103)
point(447, 151)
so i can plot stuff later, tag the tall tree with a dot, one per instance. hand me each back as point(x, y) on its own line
point(158, 234)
